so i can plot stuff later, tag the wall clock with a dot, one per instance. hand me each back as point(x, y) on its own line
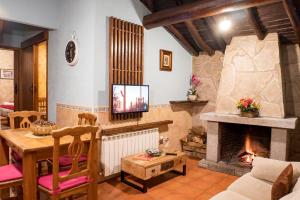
point(71, 52)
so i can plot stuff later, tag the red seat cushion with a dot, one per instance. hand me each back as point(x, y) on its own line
point(66, 160)
point(9, 173)
point(46, 182)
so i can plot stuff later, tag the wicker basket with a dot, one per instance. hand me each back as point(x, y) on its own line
point(42, 130)
point(250, 114)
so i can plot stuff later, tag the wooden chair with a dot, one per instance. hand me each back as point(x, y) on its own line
point(25, 115)
point(65, 161)
point(87, 119)
point(10, 176)
point(76, 180)
point(24, 123)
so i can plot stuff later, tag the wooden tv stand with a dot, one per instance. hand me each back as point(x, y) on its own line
point(147, 169)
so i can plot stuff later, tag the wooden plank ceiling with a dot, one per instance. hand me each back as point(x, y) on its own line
point(194, 22)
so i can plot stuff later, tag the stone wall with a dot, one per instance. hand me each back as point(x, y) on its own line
point(208, 68)
point(291, 64)
point(252, 69)
point(181, 116)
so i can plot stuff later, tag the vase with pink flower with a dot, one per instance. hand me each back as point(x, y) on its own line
point(192, 92)
point(248, 107)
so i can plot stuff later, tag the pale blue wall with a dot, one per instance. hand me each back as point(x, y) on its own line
point(72, 85)
point(164, 86)
point(41, 13)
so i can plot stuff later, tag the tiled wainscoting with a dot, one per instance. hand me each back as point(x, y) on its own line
point(181, 116)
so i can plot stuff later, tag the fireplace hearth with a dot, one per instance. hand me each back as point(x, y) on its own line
point(233, 141)
point(241, 143)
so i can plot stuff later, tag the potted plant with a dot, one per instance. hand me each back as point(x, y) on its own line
point(248, 107)
point(192, 92)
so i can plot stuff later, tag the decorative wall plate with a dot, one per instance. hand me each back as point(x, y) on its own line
point(71, 52)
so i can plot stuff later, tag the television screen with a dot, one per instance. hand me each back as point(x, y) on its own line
point(130, 98)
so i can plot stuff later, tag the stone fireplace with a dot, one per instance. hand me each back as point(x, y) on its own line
point(251, 68)
point(227, 140)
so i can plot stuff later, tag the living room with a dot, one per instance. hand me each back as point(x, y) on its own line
point(208, 89)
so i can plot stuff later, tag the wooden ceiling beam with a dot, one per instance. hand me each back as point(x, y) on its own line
point(199, 9)
point(212, 25)
point(149, 4)
point(182, 40)
point(172, 30)
point(293, 17)
point(254, 22)
point(198, 38)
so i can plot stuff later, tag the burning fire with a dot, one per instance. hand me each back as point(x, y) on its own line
point(248, 155)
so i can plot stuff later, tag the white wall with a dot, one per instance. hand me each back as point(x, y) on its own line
point(164, 86)
point(41, 13)
point(72, 85)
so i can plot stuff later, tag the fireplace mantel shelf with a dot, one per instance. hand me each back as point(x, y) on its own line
point(285, 123)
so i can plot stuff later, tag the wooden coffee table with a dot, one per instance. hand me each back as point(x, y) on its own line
point(147, 169)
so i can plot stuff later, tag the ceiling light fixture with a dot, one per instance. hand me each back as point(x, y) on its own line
point(225, 24)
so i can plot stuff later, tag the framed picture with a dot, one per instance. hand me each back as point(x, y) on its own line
point(165, 60)
point(7, 74)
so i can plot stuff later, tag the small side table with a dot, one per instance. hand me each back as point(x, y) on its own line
point(147, 169)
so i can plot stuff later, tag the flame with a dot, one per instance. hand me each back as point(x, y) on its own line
point(248, 148)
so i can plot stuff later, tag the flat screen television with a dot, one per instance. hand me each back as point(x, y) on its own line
point(130, 98)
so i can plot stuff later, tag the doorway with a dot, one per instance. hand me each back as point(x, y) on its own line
point(7, 105)
point(33, 74)
point(29, 46)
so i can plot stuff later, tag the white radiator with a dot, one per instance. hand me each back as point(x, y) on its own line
point(117, 146)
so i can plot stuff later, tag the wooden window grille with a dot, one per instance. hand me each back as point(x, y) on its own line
point(126, 58)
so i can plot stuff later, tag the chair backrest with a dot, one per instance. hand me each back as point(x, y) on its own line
point(75, 150)
point(87, 119)
point(42, 104)
point(25, 115)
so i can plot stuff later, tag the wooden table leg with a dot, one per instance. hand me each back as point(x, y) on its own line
point(92, 191)
point(4, 160)
point(29, 176)
point(4, 153)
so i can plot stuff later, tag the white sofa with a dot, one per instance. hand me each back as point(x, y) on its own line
point(257, 184)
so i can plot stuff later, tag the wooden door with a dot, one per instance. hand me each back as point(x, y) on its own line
point(26, 87)
point(40, 76)
point(16, 78)
point(28, 78)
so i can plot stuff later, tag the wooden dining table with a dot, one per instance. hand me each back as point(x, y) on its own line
point(33, 149)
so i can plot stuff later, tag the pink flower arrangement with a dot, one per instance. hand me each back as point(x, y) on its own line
point(194, 83)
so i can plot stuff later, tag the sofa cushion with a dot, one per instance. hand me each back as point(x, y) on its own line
point(269, 169)
point(292, 196)
point(229, 195)
point(283, 183)
point(296, 186)
point(296, 171)
point(252, 188)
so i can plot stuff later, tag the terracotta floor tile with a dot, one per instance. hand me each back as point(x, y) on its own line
point(204, 196)
point(158, 193)
point(211, 178)
point(189, 191)
point(215, 189)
